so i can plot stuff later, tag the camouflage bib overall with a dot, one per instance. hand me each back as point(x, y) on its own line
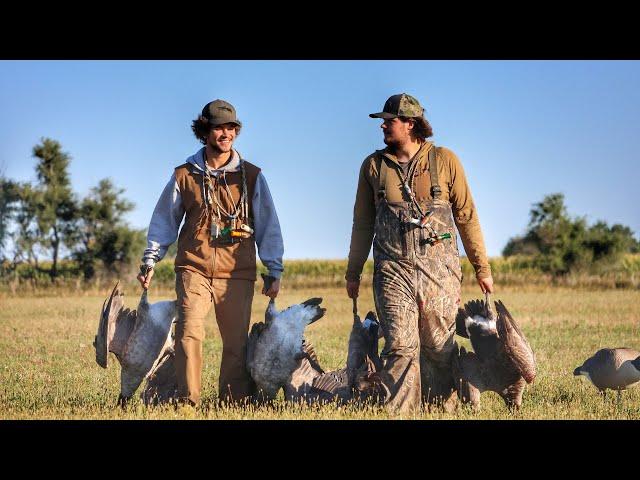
point(416, 285)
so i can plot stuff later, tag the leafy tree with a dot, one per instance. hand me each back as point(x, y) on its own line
point(56, 205)
point(102, 235)
point(26, 235)
point(8, 200)
point(561, 243)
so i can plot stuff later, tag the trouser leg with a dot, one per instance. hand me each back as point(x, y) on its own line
point(194, 301)
point(232, 299)
point(438, 300)
point(398, 315)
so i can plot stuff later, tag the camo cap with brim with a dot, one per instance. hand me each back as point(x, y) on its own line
point(220, 112)
point(401, 105)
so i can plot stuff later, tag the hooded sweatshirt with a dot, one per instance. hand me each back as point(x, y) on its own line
point(170, 211)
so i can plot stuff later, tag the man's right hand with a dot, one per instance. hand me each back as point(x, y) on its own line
point(145, 280)
point(353, 288)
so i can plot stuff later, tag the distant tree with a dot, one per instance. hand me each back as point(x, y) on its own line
point(561, 243)
point(8, 201)
point(610, 242)
point(102, 234)
point(25, 235)
point(55, 203)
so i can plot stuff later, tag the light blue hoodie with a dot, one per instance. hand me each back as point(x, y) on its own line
point(169, 212)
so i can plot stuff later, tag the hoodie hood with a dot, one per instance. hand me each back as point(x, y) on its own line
point(198, 162)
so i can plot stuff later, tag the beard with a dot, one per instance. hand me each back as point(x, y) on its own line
point(392, 144)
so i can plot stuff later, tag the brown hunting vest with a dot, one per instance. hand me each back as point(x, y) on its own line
point(197, 249)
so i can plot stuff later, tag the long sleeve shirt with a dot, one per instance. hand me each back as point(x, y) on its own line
point(455, 190)
point(169, 213)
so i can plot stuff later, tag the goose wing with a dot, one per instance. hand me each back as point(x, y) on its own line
point(515, 343)
point(302, 377)
point(330, 385)
point(161, 385)
point(150, 335)
point(111, 310)
point(252, 341)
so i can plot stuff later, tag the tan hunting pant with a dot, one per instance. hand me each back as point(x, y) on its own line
point(232, 300)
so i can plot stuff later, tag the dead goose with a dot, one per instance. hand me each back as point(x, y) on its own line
point(161, 385)
point(274, 348)
point(310, 383)
point(138, 338)
point(612, 368)
point(502, 360)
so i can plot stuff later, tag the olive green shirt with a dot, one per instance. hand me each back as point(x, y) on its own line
point(455, 190)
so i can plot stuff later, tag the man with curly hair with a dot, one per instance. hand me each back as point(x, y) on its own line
point(227, 210)
point(409, 196)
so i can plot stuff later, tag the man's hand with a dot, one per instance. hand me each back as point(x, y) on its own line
point(145, 280)
point(353, 288)
point(271, 286)
point(486, 284)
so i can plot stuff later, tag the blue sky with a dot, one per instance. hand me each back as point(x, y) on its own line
point(522, 129)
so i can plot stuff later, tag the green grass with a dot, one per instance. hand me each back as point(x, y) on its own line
point(48, 368)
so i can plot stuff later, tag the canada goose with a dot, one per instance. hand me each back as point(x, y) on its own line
point(502, 360)
point(275, 347)
point(612, 368)
point(161, 385)
point(138, 338)
point(311, 383)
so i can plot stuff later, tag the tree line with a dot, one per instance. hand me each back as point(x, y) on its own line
point(559, 243)
point(41, 220)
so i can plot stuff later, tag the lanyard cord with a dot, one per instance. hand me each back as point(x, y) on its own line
point(407, 187)
point(241, 208)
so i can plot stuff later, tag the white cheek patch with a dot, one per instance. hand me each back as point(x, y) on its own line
point(368, 323)
point(486, 325)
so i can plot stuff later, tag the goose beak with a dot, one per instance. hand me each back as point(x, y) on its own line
point(577, 372)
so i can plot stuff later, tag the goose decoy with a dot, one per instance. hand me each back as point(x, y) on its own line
point(612, 368)
point(138, 338)
point(342, 385)
point(275, 347)
point(502, 360)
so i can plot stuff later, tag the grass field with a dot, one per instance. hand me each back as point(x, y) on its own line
point(48, 368)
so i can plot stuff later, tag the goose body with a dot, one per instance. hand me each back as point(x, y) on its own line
point(612, 368)
point(312, 384)
point(138, 338)
point(275, 347)
point(502, 360)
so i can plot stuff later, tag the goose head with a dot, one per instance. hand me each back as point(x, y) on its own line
point(636, 363)
point(363, 343)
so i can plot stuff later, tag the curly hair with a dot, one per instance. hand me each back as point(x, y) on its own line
point(201, 129)
point(421, 129)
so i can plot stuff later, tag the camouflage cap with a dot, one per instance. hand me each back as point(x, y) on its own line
point(401, 105)
point(220, 112)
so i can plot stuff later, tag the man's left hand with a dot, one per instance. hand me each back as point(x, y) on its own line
point(486, 284)
point(273, 289)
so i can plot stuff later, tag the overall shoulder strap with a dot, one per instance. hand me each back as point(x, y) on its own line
point(433, 171)
point(382, 177)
